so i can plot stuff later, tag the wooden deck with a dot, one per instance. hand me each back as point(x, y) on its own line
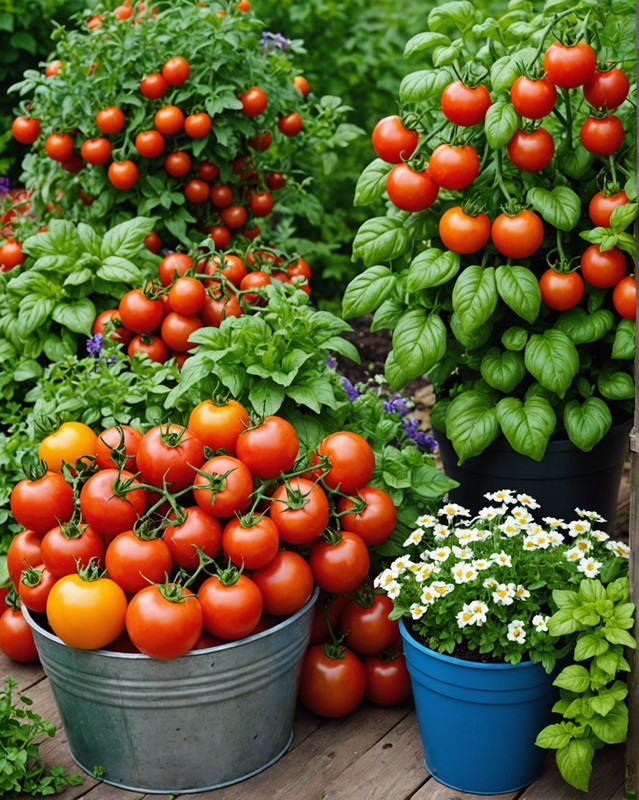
point(374, 754)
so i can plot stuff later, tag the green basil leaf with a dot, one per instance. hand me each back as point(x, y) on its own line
point(615, 384)
point(575, 762)
point(371, 184)
point(35, 309)
point(367, 291)
point(471, 423)
point(78, 316)
point(419, 342)
point(119, 270)
point(27, 370)
point(432, 267)
point(560, 207)
point(575, 678)
point(587, 423)
point(424, 84)
point(505, 70)
point(475, 297)
point(623, 216)
point(502, 370)
point(126, 239)
point(90, 240)
point(518, 287)
point(80, 277)
point(459, 13)
point(584, 328)
point(573, 161)
point(388, 315)
point(552, 359)
point(528, 426)
point(514, 338)
point(266, 397)
point(60, 238)
point(422, 41)
point(443, 56)
point(380, 239)
point(552, 737)
point(625, 343)
point(501, 124)
point(474, 340)
point(395, 375)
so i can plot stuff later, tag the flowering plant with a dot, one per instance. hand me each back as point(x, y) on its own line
point(481, 587)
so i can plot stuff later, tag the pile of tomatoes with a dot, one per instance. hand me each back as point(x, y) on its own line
point(186, 537)
point(191, 293)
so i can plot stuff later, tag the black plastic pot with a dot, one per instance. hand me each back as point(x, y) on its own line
point(566, 478)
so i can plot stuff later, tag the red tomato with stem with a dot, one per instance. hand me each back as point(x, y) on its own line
point(351, 461)
point(603, 268)
point(23, 552)
point(234, 216)
point(392, 142)
point(169, 454)
point(533, 99)
point(327, 612)
point(96, 151)
point(123, 174)
point(154, 86)
point(519, 235)
point(607, 89)
point(604, 136)
point(602, 205)
point(300, 510)
point(69, 546)
point(366, 626)
point(42, 503)
point(11, 254)
point(25, 129)
point(291, 124)
point(531, 152)
point(250, 542)
point(464, 233)
point(151, 346)
point(332, 681)
point(624, 297)
point(387, 680)
point(341, 563)
point(59, 146)
point(178, 164)
point(172, 266)
point(198, 529)
point(34, 587)
point(410, 190)
point(218, 425)
point(286, 583)
point(570, 66)
point(561, 291)
point(187, 295)
point(176, 71)
point(16, 637)
point(254, 101)
point(454, 167)
point(197, 126)
point(216, 309)
point(177, 328)
point(227, 264)
point(111, 318)
point(465, 105)
point(371, 514)
point(117, 446)
point(112, 501)
point(134, 561)
point(164, 621)
point(169, 120)
point(149, 144)
point(261, 204)
point(231, 605)
point(207, 171)
point(140, 313)
point(221, 195)
point(223, 486)
point(254, 280)
point(270, 448)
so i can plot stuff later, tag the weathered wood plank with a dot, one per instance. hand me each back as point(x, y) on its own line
point(393, 767)
point(25, 674)
point(432, 790)
point(606, 782)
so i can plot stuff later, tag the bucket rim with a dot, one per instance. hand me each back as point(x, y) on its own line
point(192, 653)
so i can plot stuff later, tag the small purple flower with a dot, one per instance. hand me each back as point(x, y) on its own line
point(95, 344)
point(331, 363)
point(5, 185)
point(396, 405)
point(274, 41)
point(350, 390)
point(422, 440)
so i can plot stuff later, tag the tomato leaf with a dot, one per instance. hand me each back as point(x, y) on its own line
point(527, 425)
point(371, 184)
point(424, 84)
point(561, 207)
point(432, 267)
point(78, 316)
point(419, 342)
point(471, 423)
point(475, 297)
point(625, 343)
point(583, 327)
point(587, 423)
point(502, 370)
point(552, 359)
point(519, 289)
point(367, 291)
point(380, 239)
point(422, 41)
point(500, 125)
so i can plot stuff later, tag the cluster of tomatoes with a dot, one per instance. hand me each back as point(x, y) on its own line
point(189, 294)
point(186, 537)
point(415, 186)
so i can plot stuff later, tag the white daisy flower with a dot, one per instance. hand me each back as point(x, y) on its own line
point(527, 501)
point(479, 534)
point(441, 589)
point(465, 536)
point(591, 515)
point(583, 545)
point(529, 543)
point(462, 553)
point(423, 573)
point(489, 583)
point(383, 579)
point(577, 527)
point(620, 549)
point(522, 515)
point(574, 554)
point(555, 538)
point(500, 496)
point(465, 616)
point(553, 522)
point(480, 610)
point(540, 622)
point(393, 590)
point(490, 512)
point(441, 531)
point(427, 521)
point(452, 510)
point(463, 572)
point(441, 554)
point(516, 632)
point(428, 596)
point(590, 567)
point(400, 564)
point(542, 540)
point(504, 594)
point(481, 563)
point(521, 593)
point(417, 611)
point(510, 527)
point(414, 537)
point(502, 559)
point(599, 536)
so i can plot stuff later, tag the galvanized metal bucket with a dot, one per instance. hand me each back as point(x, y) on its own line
point(208, 719)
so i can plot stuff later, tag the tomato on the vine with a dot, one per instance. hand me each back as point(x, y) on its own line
point(351, 461)
point(149, 345)
point(603, 268)
point(118, 441)
point(178, 164)
point(164, 621)
point(197, 126)
point(332, 682)
point(111, 501)
point(123, 174)
point(149, 144)
point(291, 124)
point(220, 235)
point(187, 295)
point(377, 519)
point(519, 235)
point(392, 141)
point(570, 66)
point(624, 297)
point(410, 190)
point(40, 504)
point(216, 309)
point(195, 528)
point(604, 136)
point(169, 120)
point(254, 101)
point(110, 119)
point(154, 86)
point(230, 610)
point(531, 152)
point(172, 266)
point(25, 129)
point(11, 254)
point(300, 510)
point(607, 89)
point(261, 204)
point(561, 291)
point(34, 586)
point(140, 313)
point(464, 233)
point(269, 448)
point(250, 541)
point(176, 71)
point(223, 486)
point(68, 546)
point(533, 99)
point(59, 146)
point(602, 205)
point(454, 167)
point(23, 552)
point(177, 328)
point(96, 151)
point(340, 565)
point(234, 216)
point(134, 561)
point(112, 317)
point(465, 105)
point(217, 425)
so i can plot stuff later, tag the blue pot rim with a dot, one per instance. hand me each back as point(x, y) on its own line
point(460, 662)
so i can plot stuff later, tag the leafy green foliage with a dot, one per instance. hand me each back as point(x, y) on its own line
point(22, 731)
point(592, 697)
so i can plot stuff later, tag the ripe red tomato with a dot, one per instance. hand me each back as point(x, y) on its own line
point(291, 124)
point(251, 542)
point(176, 71)
point(169, 454)
point(568, 66)
point(169, 120)
point(149, 144)
point(164, 622)
point(177, 328)
point(411, 190)
point(387, 680)
point(464, 233)
point(375, 522)
point(302, 85)
point(465, 105)
point(603, 269)
point(270, 448)
point(120, 442)
point(261, 141)
point(16, 637)
point(110, 119)
point(96, 151)
point(254, 101)
point(154, 86)
point(607, 89)
point(86, 614)
point(286, 583)
point(111, 317)
point(261, 204)
point(230, 610)
point(254, 280)
point(197, 126)
point(53, 68)
point(351, 461)
point(340, 566)
point(603, 137)
point(23, 552)
point(221, 195)
point(207, 171)
point(331, 685)
point(227, 264)
point(123, 174)
point(215, 310)
point(217, 425)
point(531, 152)
point(59, 146)
point(367, 628)
point(178, 164)
point(34, 586)
point(66, 547)
point(11, 254)
point(275, 180)
point(140, 313)
point(111, 501)
point(40, 504)
point(123, 12)
point(25, 129)
point(172, 266)
point(561, 290)
point(392, 142)
point(518, 236)
point(187, 295)
point(198, 529)
point(624, 297)
point(234, 216)
point(149, 345)
point(300, 510)
point(223, 486)
point(533, 99)
point(602, 205)
point(454, 167)
point(134, 562)
point(196, 191)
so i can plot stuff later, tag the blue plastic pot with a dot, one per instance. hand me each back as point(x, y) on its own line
point(478, 722)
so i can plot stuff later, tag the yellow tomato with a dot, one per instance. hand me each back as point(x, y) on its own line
point(72, 440)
